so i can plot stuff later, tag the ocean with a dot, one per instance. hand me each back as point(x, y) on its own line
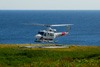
point(85, 31)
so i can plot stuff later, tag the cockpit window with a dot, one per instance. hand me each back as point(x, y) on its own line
point(41, 33)
point(44, 34)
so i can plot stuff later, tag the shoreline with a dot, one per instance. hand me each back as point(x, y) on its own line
point(48, 44)
point(48, 47)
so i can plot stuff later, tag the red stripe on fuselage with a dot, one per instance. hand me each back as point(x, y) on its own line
point(63, 33)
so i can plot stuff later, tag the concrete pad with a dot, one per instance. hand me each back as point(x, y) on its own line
point(47, 46)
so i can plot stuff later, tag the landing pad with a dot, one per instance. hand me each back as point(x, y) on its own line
point(46, 46)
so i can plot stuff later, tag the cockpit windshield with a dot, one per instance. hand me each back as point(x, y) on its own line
point(41, 33)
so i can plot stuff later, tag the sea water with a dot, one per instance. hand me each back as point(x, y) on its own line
point(85, 31)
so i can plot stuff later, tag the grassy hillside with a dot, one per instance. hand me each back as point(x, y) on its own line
point(74, 56)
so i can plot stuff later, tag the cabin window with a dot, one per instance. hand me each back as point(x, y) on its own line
point(51, 34)
point(48, 33)
point(41, 33)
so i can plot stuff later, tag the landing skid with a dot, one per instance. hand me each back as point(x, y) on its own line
point(50, 41)
point(38, 41)
point(46, 41)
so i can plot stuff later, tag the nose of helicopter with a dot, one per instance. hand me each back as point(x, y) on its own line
point(38, 36)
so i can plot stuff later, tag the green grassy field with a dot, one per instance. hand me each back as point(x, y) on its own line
point(74, 56)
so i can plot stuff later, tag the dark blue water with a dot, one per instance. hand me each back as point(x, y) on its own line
point(85, 31)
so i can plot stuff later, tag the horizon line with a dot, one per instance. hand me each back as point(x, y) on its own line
point(32, 9)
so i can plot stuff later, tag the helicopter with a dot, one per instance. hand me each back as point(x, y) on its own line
point(49, 34)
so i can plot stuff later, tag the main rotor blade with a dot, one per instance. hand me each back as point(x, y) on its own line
point(49, 25)
point(61, 25)
point(36, 24)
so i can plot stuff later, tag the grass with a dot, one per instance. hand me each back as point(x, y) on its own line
point(74, 56)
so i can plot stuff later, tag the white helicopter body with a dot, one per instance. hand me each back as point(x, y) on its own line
point(50, 34)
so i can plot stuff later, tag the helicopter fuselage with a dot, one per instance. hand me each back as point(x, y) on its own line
point(48, 35)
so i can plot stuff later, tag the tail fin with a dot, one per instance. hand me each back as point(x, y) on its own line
point(67, 29)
